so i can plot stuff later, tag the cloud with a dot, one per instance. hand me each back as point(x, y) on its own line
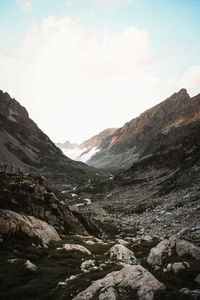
point(191, 78)
point(25, 6)
point(76, 82)
point(68, 2)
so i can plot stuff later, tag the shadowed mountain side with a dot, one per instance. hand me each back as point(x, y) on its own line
point(25, 146)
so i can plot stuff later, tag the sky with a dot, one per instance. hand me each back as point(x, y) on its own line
point(80, 66)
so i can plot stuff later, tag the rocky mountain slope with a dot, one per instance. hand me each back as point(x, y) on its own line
point(25, 146)
point(88, 148)
point(146, 133)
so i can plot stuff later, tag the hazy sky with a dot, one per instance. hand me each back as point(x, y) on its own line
point(80, 66)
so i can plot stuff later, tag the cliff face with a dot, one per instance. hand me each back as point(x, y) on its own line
point(149, 131)
point(24, 146)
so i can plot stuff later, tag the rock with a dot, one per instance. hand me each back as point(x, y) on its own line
point(176, 267)
point(134, 277)
point(87, 265)
point(109, 294)
point(122, 242)
point(72, 277)
point(74, 247)
point(156, 253)
point(182, 232)
point(89, 242)
point(61, 284)
point(195, 294)
point(30, 266)
point(197, 279)
point(185, 248)
point(123, 254)
point(12, 260)
point(12, 223)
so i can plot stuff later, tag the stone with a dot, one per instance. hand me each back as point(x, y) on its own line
point(156, 253)
point(176, 267)
point(197, 279)
point(109, 294)
point(61, 284)
point(75, 247)
point(134, 277)
point(31, 267)
point(87, 265)
point(123, 254)
point(15, 223)
point(186, 248)
point(122, 242)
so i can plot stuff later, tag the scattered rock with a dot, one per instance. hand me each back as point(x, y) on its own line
point(134, 277)
point(30, 266)
point(195, 294)
point(74, 247)
point(87, 265)
point(123, 254)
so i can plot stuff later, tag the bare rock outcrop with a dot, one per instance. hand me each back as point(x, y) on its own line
point(123, 254)
point(134, 277)
point(12, 223)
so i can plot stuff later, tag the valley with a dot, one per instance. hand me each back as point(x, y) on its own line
point(125, 226)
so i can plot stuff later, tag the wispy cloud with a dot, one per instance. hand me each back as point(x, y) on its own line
point(25, 5)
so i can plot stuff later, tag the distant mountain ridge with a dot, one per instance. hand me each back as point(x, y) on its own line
point(25, 146)
point(142, 135)
point(88, 148)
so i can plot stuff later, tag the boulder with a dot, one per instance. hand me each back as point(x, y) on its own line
point(156, 253)
point(123, 254)
point(87, 265)
point(75, 247)
point(12, 223)
point(134, 277)
point(109, 294)
point(186, 248)
point(177, 266)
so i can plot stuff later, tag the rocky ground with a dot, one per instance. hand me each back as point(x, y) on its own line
point(83, 267)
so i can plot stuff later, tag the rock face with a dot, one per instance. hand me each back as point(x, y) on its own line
point(37, 198)
point(146, 133)
point(12, 223)
point(25, 146)
point(123, 254)
point(134, 277)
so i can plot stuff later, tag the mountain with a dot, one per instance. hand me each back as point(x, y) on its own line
point(88, 148)
point(67, 145)
point(146, 133)
point(23, 145)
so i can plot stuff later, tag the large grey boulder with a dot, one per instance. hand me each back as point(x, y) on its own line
point(12, 223)
point(156, 253)
point(186, 248)
point(132, 276)
point(123, 254)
